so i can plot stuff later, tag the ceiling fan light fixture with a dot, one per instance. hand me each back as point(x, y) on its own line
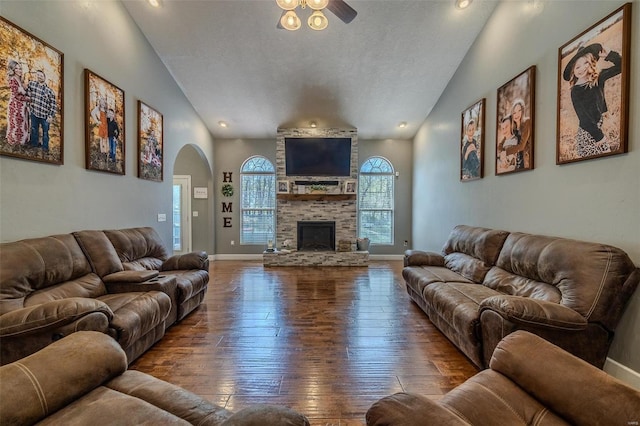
point(287, 4)
point(317, 21)
point(317, 4)
point(290, 21)
point(154, 3)
point(463, 4)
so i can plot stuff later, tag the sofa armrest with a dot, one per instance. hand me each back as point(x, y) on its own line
point(193, 260)
point(130, 276)
point(50, 315)
point(163, 283)
point(538, 367)
point(422, 258)
point(407, 409)
point(50, 379)
point(534, 312)
point(169, 397)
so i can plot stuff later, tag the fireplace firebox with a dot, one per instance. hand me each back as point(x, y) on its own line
point(316, 236)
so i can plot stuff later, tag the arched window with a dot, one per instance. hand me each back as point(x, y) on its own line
point(375, 201)
point(257, 201)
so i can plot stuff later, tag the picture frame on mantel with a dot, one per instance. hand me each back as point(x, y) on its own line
point(472, 142)
point(515, 123)
point(350, 186)
point(283, 187)
point(593, 90)
point(31, 97)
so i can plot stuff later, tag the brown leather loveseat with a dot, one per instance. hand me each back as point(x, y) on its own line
point(50, 288)
point(488, 283)
point(529, 382)
point(83, 380)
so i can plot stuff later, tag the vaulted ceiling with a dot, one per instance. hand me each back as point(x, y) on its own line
point(389, 65)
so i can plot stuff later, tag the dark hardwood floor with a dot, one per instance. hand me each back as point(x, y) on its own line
point(327, 342)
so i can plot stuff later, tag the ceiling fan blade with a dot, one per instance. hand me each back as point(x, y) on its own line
point(342, 10)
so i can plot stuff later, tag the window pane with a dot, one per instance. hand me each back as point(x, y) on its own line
point(376, 191)
point(257, 201)
point(377, 226)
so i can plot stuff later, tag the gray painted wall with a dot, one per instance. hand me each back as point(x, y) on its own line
point(190, 161)
point(596, 200)
point(41, 199)
point(231, 153)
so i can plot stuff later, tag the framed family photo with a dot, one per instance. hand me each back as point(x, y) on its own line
point(104, 125)
point(350, 186)
point(283, 187)
point(472, 142)
point(150, 143)
point(515, 123)
point(593, 90)
point(31, 103)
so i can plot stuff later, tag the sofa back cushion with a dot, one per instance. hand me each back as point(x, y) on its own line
point(101, 254)
point(472, 251)
point(587, 276)
point(138, 248)
point(40, 265)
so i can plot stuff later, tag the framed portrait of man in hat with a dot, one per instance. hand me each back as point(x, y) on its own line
point(593, 90)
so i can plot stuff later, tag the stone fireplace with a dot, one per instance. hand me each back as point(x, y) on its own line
point(317, 236)
point(336, 208)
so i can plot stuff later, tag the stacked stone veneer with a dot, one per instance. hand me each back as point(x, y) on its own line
point(289, 212)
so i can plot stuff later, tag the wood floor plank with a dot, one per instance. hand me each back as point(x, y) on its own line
point(327, 342)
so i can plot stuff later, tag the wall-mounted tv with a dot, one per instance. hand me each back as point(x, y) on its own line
point(317, 156)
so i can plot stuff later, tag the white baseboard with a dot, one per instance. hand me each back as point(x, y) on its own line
point(622, 372)
point(386, 256)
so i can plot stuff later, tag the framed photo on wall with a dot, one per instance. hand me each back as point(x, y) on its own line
point(593, 90)
point(283, 187)
point(31, 100)
point(104, 125)
point(515, 123)
point(150, 143)
point(472, 142)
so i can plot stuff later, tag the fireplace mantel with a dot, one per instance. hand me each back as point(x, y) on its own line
point(316, 197)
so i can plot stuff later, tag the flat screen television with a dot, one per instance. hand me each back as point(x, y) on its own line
point(317, 156)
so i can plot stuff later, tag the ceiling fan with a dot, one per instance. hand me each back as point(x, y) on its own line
point(317, 20)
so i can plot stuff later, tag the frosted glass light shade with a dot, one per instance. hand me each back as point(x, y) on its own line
point(317, 4)
point(317, 21)
point(287, 4)
point(290, 21)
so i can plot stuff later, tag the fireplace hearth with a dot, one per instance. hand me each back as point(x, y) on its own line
point(316, 236)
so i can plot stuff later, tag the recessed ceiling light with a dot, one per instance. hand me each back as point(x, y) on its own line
point(154, 3)
point(463, 4)
point(402, 125)
point(313, 124)
point(223, 124)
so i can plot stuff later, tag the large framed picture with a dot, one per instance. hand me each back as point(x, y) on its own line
point(472, 142)
point(515, 123)
point(150, 143)
point(31, 103)
point(593, 90)
point(104, 125)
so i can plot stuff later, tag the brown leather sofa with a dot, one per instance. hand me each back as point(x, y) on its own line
point(119, 256)
point(50, 287)
point(83, 380)
point(529, 382)
point(488, 283)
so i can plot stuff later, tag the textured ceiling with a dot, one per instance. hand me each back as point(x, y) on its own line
point(389, 65)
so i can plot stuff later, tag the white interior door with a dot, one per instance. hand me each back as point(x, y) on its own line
point(181, 214)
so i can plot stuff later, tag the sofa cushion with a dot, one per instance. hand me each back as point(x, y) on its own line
point(482, 243)
point(418, 277)
point(29, 265)
point(189, 283)
point(515, 285)
point(88, 286)
point(457, 304)
point(588, 275)
point(103, 406)
point(135, 314)
point(138, 248)
point(467, 266)
point(99, 251)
